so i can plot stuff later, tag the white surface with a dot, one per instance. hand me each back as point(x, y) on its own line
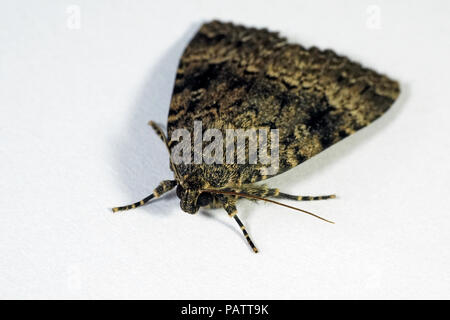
point(74, 142)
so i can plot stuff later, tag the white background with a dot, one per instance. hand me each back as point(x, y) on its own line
point(74, 103)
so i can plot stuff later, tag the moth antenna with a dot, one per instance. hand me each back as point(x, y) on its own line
point(163, 137)
point(244, 195)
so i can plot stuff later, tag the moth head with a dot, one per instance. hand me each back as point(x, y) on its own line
point(191, 199)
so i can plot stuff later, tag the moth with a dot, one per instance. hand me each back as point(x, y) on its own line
point(231, 76)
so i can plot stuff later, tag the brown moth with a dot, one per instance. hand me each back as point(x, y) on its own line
point(231, 76)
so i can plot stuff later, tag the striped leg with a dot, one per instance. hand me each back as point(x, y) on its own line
point(158, 131)
point(263, 191)
point(230, 207)
point(162, 136)
point(163, 187)
point(282, 195)
point(246, 235)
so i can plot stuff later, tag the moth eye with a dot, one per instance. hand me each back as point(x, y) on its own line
point(204, 199)
point(179, 191)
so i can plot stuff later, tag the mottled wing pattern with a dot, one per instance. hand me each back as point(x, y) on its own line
point(236, 77)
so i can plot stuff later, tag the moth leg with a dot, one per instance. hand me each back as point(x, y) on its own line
point(281, 195)
point(163, 187)
point(264, 191)
point(215, 204)
point(229, 205)
point(162, 136)
point(158, 131)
